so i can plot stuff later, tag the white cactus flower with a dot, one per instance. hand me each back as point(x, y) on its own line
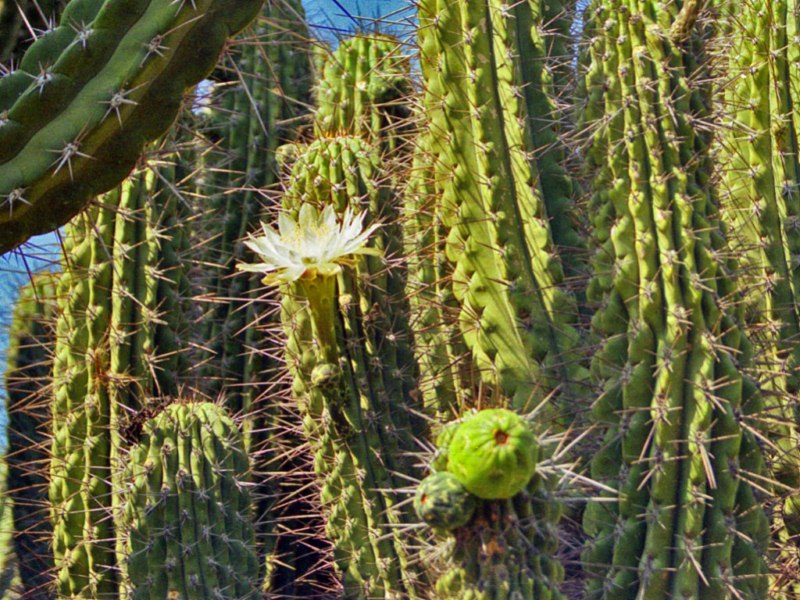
point(315, 244)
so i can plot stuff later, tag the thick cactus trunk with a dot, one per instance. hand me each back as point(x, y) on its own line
point(188, 511)
point(686, 519)
point(488, 110)
point(74, 117)
point(28, 384)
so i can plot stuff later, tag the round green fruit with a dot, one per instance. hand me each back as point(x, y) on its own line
point(443, 503)
point(493, 453)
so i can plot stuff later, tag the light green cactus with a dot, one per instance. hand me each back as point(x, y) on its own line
point(500, 190)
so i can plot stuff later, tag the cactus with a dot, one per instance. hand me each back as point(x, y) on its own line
point(496, 547)
point(499, 192)
point(188, 512)
point(364, 89)
point(761, 188)
point(348, 349)
point(118, 342)
point(28, 375)
point(254, 112)
point(87, 97)
point(357, 395)
point(685, 519)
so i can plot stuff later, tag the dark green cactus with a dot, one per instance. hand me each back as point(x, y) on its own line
point(188, 511)
point(28, 381)
point(87, 96)
point(499, 191)
point(685, 519)
point(119, 341)
point(272, 91)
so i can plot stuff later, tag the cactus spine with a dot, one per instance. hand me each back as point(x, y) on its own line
point(28, 375)
point(188, 509)
point(86, 98)
point(686, 519)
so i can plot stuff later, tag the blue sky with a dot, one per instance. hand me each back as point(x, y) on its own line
point(329, 19)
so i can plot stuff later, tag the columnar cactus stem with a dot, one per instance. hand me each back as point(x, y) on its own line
point(89, 94)
point(80, 471)
point(188, 512)
point(761, 201)
point(364, 89)
point(348, 349)
point(685, 520)
point(28, 383)
point(516, 319)
point(118, 341)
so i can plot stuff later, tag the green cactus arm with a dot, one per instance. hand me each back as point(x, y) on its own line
point(80, 124)
point(80, 467)
point(188, 508)
point(516, 319)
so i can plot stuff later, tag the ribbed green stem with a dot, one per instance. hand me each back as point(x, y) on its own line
point(349, 353)
point(516, 319)
point(678, 445)
point(188, 511)
point(761, 194)
point(28, 381)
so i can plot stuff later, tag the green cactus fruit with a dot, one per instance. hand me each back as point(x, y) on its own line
point(493, 453)
point(443, 502)
point(188, 511)
point(89, 94)
point(443, 439)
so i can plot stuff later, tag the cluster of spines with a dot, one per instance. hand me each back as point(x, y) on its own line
point(679, 448)
point(188, 514)
point(88, 95)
